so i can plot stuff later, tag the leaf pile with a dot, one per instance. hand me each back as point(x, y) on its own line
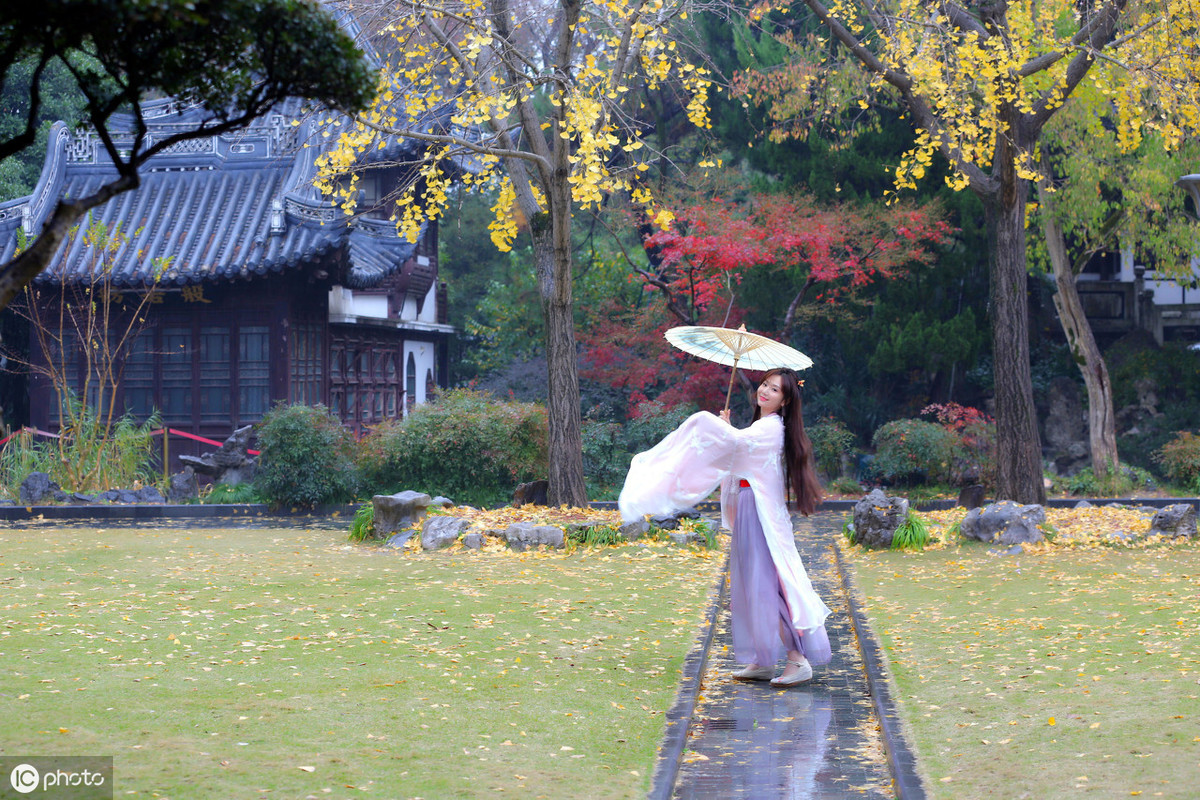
point(1065, 528)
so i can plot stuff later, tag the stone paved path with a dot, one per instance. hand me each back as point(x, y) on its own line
point(819, 740)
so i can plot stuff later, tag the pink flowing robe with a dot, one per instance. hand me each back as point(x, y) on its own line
point(706, 452)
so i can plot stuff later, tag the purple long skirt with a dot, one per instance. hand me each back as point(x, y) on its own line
point(759, 619)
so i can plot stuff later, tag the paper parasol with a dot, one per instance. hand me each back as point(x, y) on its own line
point(736, 348)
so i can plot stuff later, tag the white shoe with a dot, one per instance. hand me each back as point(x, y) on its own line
point(803, 673)
point(754, 673)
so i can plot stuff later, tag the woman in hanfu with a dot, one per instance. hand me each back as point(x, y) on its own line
point(773, 607)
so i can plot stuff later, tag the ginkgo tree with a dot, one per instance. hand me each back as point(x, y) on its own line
point(1098, 199)
point(979, 83)
point(538, 103)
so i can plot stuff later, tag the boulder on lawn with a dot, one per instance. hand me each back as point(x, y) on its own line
point(1178, 520)
point(1005, 523)
point(523, 535)
point(395, 512)
point(441, 532)
point(876, 518)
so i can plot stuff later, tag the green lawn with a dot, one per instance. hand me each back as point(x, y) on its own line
point(1069, 673)
point(287, 663)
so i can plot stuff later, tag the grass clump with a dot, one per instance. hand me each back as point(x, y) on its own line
point(911, 534)
point(226, 494)
point(363, 526)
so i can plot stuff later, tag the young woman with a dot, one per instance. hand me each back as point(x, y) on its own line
point(773, 606)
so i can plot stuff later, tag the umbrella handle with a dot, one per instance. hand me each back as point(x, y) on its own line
point(732, 375)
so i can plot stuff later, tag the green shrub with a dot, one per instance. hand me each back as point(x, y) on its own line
point(912, 451)
point(831, 439)
point(1122, 482)
point(608, 447)
point(844, 486)
point(307, 457)
point(467, 445)
point(1180, 459)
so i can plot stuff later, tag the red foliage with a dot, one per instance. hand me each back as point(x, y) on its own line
point(836, 251)
point(839, 249)
point(956, 417)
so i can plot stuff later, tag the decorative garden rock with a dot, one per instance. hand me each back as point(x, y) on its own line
point(395, 512)
point(635, 530)
point(1083, 504)
point(971, 496)
point(442, 502)
point(533, 493)
point(230, 464)
point(441, 532)
point(474, 540)
point(184, 486)
point(149, 494)
point(1178, 520)
point(670, 522)
point(81, 499)
point(876, 518)
point(686, 537)
point(1005, 522)
point(400, 540)
point(37, 487)
point(523, 535)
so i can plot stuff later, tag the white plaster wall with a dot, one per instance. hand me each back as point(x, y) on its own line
point(423, 354)
point(409, 310)
point(372, 306)
point(429, 308)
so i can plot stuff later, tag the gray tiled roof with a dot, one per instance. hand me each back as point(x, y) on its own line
point(222, 207)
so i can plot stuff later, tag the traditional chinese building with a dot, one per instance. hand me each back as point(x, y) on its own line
point(258, 289)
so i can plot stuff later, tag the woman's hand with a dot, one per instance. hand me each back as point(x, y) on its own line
point(725, 415)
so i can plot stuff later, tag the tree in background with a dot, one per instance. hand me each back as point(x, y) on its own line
point(699, 265)
point(59, 100)
point(979, 85)
point(535, 102)
point(233, 58)
point(1100, 198)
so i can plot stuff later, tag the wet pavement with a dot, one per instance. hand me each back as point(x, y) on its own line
point(819, 740)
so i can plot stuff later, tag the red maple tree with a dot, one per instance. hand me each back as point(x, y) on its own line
point(697, 266)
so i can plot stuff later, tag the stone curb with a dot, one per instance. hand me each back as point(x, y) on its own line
point(679, 717)
point(902, 762)
point(158, 511)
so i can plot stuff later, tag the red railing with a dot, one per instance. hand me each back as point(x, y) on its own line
point(158, 432)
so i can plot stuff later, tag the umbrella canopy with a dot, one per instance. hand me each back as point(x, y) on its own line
point(736, 348)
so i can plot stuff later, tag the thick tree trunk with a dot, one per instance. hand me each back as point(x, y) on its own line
point(1102, 423)
point(552, 256)
point(1018, 445)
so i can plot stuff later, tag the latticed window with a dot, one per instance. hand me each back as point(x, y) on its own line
point(307, 363)
point(177, 374)
point(214, 374)
point(364, 376)
point(254, 373)
point(138, 378)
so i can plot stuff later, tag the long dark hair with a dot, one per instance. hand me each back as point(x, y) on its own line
point(799, 474)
